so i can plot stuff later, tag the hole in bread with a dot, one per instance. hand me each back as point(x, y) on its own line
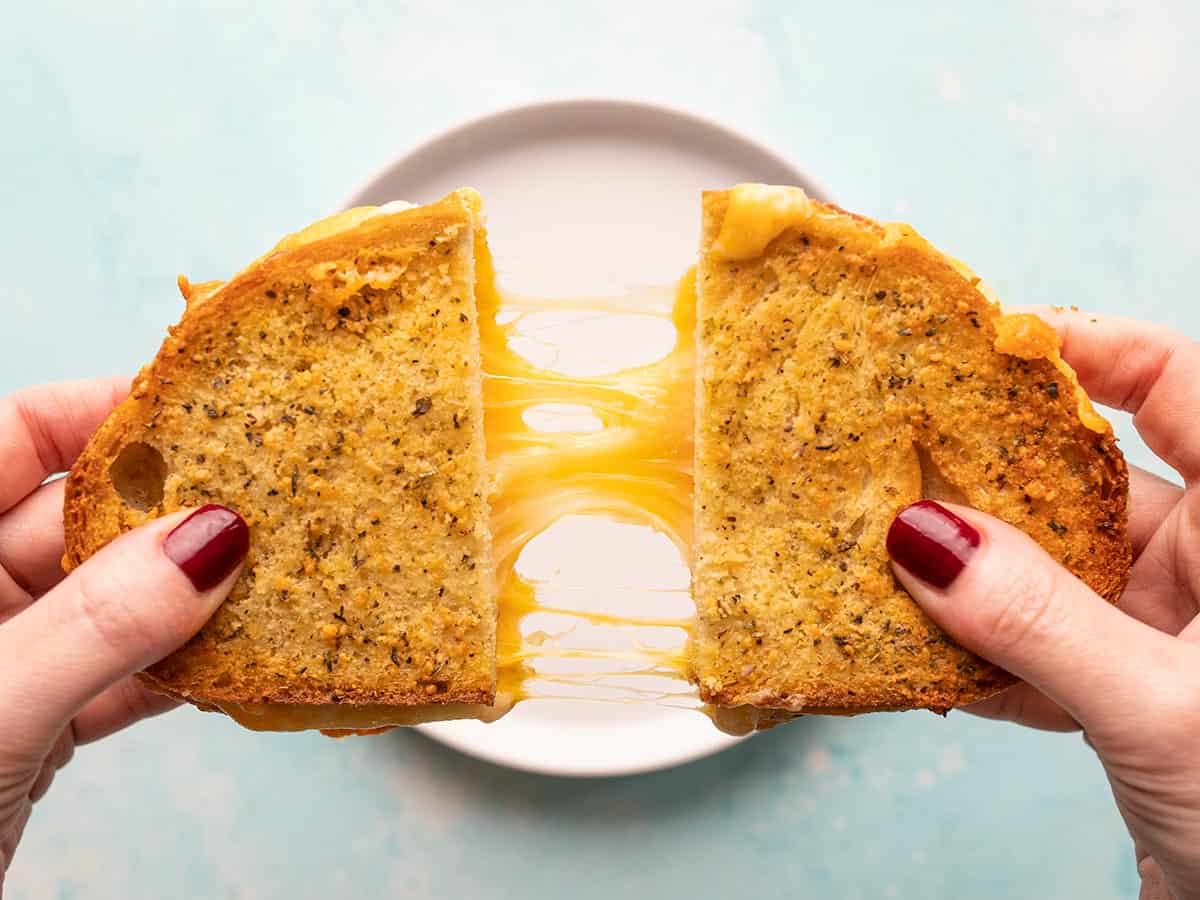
point(138, 475)
point(934, 483)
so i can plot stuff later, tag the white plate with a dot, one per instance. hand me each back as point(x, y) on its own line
point(569, 187)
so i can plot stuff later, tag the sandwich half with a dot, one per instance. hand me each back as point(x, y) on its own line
point(846, 369)
point(331, 393)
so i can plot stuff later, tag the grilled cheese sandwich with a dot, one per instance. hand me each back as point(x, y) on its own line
point(803, 369)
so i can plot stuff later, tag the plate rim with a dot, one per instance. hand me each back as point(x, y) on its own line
point(599, 107)
point(718, 743)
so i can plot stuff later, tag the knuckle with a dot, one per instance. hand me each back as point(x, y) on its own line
point(1027, 609)
point(108, 608)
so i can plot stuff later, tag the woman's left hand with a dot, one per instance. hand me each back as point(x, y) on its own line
point(69, 645)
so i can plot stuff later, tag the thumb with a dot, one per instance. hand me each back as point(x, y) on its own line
point(997, 593)
point(128, 606)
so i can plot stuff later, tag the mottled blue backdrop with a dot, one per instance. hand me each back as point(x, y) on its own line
point(1054, 149)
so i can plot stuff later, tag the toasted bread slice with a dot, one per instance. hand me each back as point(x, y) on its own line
point(331, 393)
point(845, 369)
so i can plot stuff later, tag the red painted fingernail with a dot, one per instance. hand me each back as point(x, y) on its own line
point(931, 542)
point(208, 545)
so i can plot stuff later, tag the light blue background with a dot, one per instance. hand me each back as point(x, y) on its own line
point(1056, 150)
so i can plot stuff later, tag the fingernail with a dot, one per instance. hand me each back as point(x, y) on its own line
point(931, 542)
point(208, 545)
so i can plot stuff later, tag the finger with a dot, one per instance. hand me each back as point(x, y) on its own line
point(31, 539)
point(44, 428)
point(1157, 593)
point(1164, 585)
point(13, 597)
point(1145, 369)
point(1025, 705)
point(129, 605)
point(996, 592)
point(124, 703)
point(1151, 501)
point(1154, 883)
point(1180, 540)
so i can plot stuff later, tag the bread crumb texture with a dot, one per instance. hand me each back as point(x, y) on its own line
point(847, 371)
point(331, 394)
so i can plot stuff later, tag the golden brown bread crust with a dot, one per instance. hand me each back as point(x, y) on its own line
point(331, 394)
point(847, 371)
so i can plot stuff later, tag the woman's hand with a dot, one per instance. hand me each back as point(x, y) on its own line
point(1128, 676)
point(69, 646)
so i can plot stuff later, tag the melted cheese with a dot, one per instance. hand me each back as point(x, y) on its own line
point(756, 215)
point(635, 467)
point(1026, 336)
point(337, 223)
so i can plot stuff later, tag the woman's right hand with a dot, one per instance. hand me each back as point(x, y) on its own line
point(1128, 676)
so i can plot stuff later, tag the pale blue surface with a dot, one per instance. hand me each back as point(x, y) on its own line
point(1055, 151)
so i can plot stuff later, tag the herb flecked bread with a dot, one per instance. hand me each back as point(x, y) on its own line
point(846, 369)
point(331, 394)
